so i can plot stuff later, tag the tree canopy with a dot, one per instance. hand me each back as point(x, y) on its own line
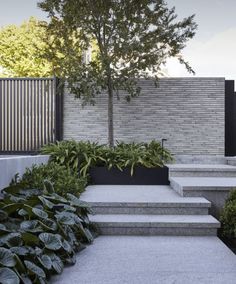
point(134, 40)
point(21, 49)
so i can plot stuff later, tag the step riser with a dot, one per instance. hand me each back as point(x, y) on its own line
point(202, 174)
point(157, 231)
point(231, 162)
point(153, 211)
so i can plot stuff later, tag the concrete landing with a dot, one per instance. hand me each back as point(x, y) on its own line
point(152, 260)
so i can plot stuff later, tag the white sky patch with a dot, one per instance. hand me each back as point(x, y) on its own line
point(214, 57)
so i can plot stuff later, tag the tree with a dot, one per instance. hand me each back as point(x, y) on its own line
point(21, 49)
point(134, 39)
point(29, 51)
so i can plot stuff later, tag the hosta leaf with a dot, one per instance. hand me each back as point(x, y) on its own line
point(20, 250)
point(40, 213)
point(22, 212)
point(8, 276)
point(51, 241)
point(46, 202)
point(7, 258)
point(34, 268)
point(76, 202)
point(31, 226)
point(66, 218)
point(67, 247)
point(48, 225)
point(57, 263)
point(45, 260)
point(12, 239)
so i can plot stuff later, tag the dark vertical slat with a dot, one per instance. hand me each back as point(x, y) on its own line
point(4, 116)
point(44, 113)
point(7, 112)
point(25, 115)
point(53, 94)
point(48, 110)
point(35, 115)
point(14, 115)
point(38, 114)
point(1, 114)
point(28, 115)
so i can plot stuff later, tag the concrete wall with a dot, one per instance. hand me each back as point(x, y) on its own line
point(189, 112)
point(10, 165)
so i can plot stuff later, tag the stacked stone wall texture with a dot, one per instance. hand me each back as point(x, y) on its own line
point(188, 112)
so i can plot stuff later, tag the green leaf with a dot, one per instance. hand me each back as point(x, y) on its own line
point(31, 226)
point(40, 213)
point(20, 250)
point(3, 215)
point(8, 276)
point(46, 202)
point(66, 218)
point(34, 269)
point(51, 241)
point(76, 202)
point(67, 247)
point(30, 239)
point(7, 258)
point(48, 187)
point(57, 263)
point(45, 260)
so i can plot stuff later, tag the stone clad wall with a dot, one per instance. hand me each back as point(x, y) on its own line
point(188, 112)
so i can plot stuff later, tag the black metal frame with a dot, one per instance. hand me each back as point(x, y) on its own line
point(230, 119)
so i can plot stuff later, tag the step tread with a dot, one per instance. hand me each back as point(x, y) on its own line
point(201, 167)
point(156, 220)
point(198, 182)
point(151, 196)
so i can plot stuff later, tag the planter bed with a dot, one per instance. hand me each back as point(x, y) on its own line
point(141, 176)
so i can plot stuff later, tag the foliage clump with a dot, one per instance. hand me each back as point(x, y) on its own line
point(81, 156)
point(40, 232)
point(228, 216)
point(64, 179)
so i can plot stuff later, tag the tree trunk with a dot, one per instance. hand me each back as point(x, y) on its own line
point(110, 114)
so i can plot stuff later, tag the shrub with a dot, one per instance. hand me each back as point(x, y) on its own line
point(40, 231)
point(82, 156)
point(63, 178)
point(228, 217)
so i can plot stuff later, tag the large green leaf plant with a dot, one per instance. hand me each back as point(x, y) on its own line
point(40, 232)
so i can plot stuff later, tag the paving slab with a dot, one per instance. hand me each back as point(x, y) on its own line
point(138, 194)
point(152, 260)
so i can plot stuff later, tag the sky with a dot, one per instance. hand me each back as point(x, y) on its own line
point(212, 52)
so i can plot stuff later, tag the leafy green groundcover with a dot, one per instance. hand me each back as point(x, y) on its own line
point(40, 232)
point(81, 156)
point(228, 217)
point(64, 179)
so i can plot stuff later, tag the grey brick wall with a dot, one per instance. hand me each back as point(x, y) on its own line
point(188, 112)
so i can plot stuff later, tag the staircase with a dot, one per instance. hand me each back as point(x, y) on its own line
point(148, 210)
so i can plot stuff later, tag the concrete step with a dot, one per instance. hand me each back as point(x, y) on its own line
point(231, 161)
point(160, 200)
point(195, 186)
point(173, 225)
point(201, 170)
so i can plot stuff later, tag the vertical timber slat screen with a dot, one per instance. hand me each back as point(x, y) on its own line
point(29, 115)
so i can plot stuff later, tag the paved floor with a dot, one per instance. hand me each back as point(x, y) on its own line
point(152, 260)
